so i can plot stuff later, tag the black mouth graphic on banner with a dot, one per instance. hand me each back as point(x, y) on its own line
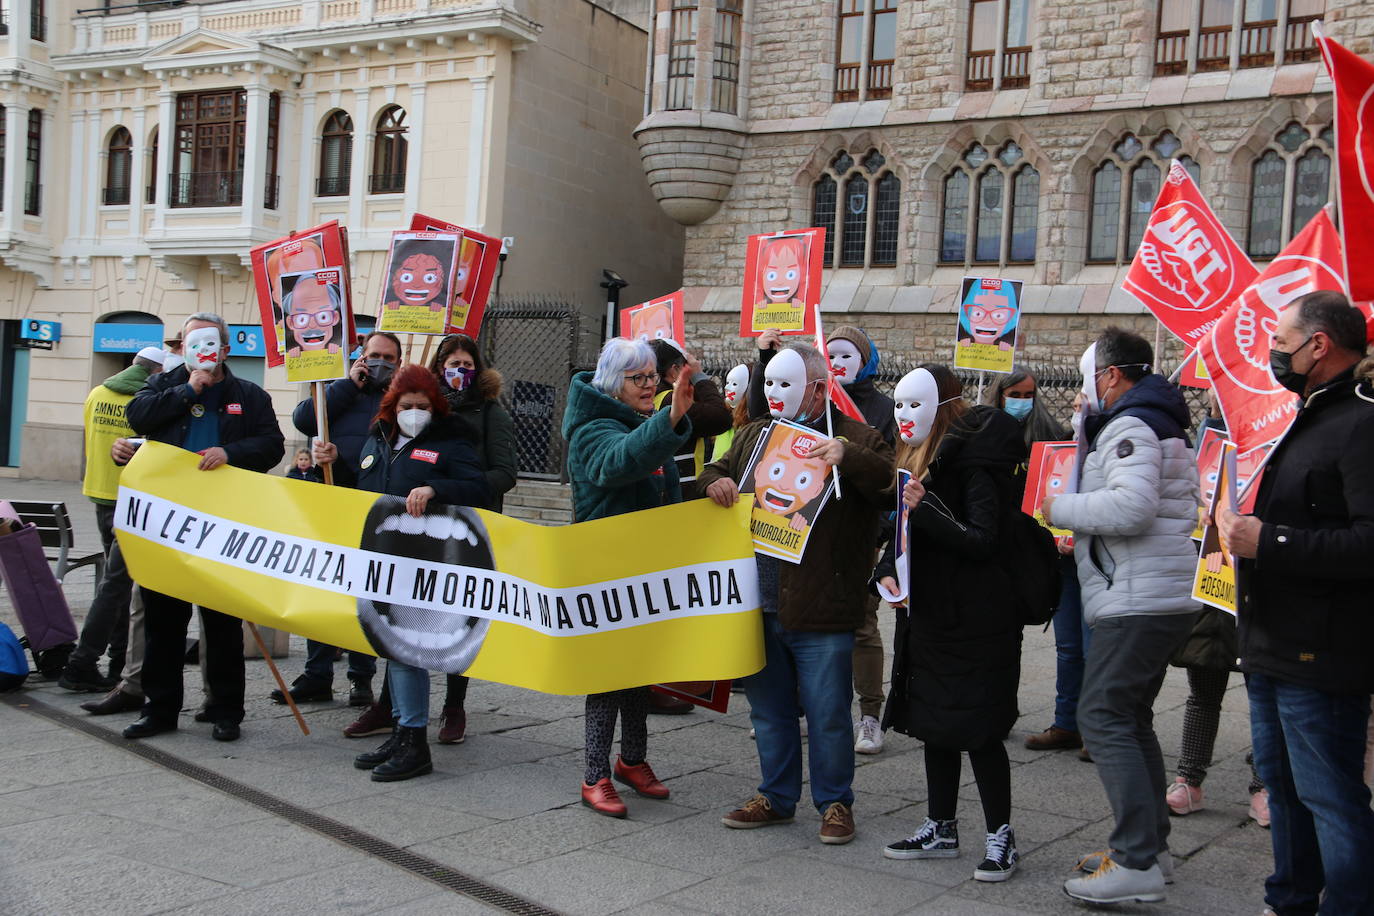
point(425, 638)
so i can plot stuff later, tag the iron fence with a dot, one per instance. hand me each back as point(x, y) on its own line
point(534, 343)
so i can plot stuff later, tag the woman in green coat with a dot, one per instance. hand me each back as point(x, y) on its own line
point(620, 459)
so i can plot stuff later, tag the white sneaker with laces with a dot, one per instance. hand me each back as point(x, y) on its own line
point(1113, 883)
point(868, 736)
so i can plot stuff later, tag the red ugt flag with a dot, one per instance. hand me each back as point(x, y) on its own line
point(1188, 269)
point(1354, 82)
point(1257, 408)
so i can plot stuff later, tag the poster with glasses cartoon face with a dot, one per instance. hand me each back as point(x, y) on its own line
point(1050, 472)
point(782, 282)
point(657, 319)
point(323, 247)
point(790, 488)
point(989, 313)
point(418, 282)
point(315, 311)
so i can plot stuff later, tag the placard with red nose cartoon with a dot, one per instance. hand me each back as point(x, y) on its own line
point(790, 488)
point(416, 298)
point(989, 313)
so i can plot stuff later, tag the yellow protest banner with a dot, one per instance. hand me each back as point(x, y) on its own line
point(585, 608)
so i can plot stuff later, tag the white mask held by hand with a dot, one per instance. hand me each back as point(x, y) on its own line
point(845, 361)
point(784, 384)
point(202, 347)
point(916, 398)
point(1087, 364)
point(413, 421)
point(736, 384)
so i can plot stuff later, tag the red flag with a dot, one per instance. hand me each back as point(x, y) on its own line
point(1188, 269)
point(1257, 408)
point(1354, 88)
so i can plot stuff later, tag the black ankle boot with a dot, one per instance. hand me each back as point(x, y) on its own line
point(380, 755)
point(410, 759)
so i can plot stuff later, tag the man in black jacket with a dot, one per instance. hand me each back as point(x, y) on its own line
point(201, 407)
point(1306, 621)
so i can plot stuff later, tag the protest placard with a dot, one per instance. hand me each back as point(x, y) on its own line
point(479, 258)
point(324, 247)
point(901, 551)
point(1215, 580)
point(989, 312)
point(1050, 472)
point(789, 486)
point(657, 319)
point(419, 282)
point(782, 282)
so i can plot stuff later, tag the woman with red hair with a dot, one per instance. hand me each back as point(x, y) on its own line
point(415, 450)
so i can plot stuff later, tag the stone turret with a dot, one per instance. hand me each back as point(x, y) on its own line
point(692, 136)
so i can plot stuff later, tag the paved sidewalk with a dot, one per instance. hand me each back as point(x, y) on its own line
point(90, 827)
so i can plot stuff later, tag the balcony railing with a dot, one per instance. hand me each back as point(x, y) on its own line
point(1214, 48)
point(1298, 43)
point(4, 22)
point(269, 192)
point(205, 189)
point(1257, 43)
point(334, 186)
point(117, 196)
point(386, 183)
point(150, 194)
point(980, 64)
point(33, 198)
point(38, 26)
point(880, 79)
point(1171, 53)
point(1016, 68)
point(846, 82)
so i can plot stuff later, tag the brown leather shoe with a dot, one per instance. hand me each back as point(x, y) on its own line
point(453, 725)
point(641, 778)
point(837, 824)
point(1055, 738)
point(756, 812)
point(114, 701)
point(375, 720)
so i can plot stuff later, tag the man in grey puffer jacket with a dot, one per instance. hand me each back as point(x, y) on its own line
point(1132, 518)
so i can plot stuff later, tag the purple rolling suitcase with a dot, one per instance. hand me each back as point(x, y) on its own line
point(37, 598)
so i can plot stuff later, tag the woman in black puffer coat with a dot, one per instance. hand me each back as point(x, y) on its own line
point(957, 649)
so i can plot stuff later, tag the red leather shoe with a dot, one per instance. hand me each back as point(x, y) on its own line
point(641, 778)
point(602, 798)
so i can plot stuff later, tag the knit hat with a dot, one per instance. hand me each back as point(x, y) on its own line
point(152, 353)
point(867, 351)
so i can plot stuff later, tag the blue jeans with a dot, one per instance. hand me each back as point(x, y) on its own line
point(1309, 749)
point(816, 670)
point(409, 694)
point(319, 663)
point(1071, 637)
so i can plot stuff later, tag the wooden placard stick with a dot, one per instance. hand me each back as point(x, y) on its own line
point(424, 355)
point(322, 425)
point(410, 347)
point(281, 684)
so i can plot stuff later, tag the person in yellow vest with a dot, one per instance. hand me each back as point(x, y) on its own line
point(107, 621)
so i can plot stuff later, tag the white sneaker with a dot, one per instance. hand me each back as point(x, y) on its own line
point(1093, 861)
point(868, 736)
point(1113, 883)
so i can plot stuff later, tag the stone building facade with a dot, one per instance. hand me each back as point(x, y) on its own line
point(148, 145)
point(1014, 138)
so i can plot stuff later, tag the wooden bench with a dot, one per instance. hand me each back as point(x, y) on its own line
point(55, 531)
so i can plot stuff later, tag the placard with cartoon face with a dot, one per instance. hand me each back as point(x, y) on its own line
point(989, 313)
point(782, 282)
point(790, 488)
point(1050, 471)
point(1208, 468)
point(901, 531)
point(657, 319)
point(324, 246)
point(479, 259)
point(1215, 580)
point(417, 294)
point(316, 316)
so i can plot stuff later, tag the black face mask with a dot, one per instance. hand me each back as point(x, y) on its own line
point(1281, 364)
point(380, 370)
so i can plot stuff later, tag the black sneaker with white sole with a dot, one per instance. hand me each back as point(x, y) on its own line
point(1000, 860)
point(932, 840)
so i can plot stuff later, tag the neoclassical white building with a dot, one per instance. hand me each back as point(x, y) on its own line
point(148, 145)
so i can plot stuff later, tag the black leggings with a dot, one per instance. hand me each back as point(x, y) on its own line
point(632, 705)
point(992, 771)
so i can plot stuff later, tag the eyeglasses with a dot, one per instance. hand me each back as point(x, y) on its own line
point(324, 318)
point(641, 380)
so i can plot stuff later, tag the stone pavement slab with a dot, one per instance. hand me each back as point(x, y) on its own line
point(90, 827)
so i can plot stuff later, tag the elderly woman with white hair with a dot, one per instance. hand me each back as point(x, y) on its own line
point(620, 459)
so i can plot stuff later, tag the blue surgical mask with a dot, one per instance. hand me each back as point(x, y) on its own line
point(1019, 408)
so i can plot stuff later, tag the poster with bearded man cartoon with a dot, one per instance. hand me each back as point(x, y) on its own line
point(316, 316)
point(989, 313)
point(790, 488)
point(418, 281)
point(782, 282)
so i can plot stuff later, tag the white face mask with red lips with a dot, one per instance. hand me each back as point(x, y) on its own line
point(785, 384)
point(915, 402)
point(736, 385)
